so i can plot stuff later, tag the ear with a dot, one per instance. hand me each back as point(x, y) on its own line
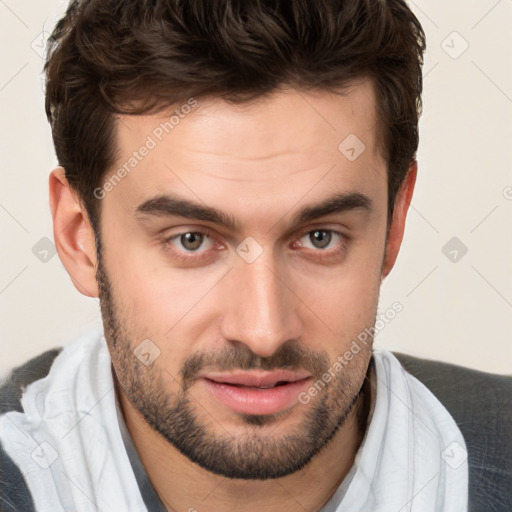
point(397, 227)
point(73, 234)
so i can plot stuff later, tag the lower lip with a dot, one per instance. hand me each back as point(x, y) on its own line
point(257, 401)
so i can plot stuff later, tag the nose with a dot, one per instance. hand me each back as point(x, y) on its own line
point(261, 310)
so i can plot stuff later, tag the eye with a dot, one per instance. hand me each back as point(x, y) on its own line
point(190, 241)
point(321, 239)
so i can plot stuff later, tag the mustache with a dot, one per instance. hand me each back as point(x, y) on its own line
point(239, 356)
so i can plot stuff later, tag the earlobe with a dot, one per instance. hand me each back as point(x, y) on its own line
point(73, 234)
point(397, 227)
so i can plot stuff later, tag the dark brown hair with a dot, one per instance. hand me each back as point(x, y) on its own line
point(109, 57)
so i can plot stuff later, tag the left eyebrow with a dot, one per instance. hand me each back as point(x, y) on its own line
point(177, 206)
point(338, 203)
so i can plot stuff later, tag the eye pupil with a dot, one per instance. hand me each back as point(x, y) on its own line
point(192, 241)
point(320, 238)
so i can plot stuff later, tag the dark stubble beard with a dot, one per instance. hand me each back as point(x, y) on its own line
point(256, 454)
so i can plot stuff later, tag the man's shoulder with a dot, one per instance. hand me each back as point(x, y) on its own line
point(481, 405)
point(13, 386)
point(468, 394)
point(87, 344)
point(14, 493)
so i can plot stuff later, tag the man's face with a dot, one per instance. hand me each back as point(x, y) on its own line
point(270, 304)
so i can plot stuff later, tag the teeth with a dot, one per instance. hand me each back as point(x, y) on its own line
point(258, 387)
point(280, 383)
point(254, 387)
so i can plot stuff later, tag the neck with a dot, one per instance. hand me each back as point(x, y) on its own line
point(196, 489)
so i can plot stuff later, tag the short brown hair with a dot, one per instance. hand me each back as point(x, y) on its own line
point(109, 57)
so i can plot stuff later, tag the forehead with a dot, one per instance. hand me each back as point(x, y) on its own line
point(283, 144)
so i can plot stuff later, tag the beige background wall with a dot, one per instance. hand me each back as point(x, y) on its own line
point(456, 307)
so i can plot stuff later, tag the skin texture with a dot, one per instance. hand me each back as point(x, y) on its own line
point(297, 305)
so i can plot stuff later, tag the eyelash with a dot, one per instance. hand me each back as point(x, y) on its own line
point(192, 256)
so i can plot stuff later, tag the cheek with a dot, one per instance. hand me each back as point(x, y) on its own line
point(344, 298)
point(160, 300)
point(347, 305)
point(170, 306)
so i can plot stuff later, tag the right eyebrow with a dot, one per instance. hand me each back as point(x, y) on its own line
point(173, 205)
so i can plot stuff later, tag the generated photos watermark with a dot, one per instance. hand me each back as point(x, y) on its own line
point(151, 142)
point(363, 338)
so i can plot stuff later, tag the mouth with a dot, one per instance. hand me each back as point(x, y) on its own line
point(257, 392)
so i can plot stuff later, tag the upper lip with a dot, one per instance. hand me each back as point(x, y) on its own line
point(257, 378)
